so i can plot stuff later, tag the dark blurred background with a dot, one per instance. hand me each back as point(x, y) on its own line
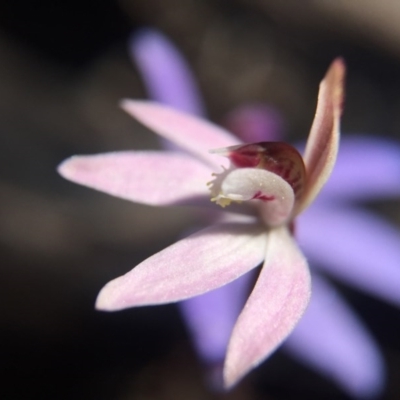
point(64, 66)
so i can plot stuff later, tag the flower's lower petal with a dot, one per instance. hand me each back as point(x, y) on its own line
point(191, 133)
point(212, 315)
point(354, 246)
point(197, 264)
point(331, 339)
point(276, 304)
point(155, 178)
point(367, 167)
point(166, 74)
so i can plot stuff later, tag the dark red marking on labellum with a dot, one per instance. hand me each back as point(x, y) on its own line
point(263, 197)
point(277, 157)
point(247, 156)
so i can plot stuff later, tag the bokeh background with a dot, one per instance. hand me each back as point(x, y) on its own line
point(64, 67)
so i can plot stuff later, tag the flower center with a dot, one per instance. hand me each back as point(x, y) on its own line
point(270, 172)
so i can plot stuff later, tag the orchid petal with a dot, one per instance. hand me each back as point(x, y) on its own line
point(357, 247)
point(167, 76)
point(255, 123)
point(275, 194)
point(155, 178)
point(191, 133)
point(276, 304)
point(212, 315)
point(199, 263)
point(367, 167)
point(330, 338)
point(323, 141)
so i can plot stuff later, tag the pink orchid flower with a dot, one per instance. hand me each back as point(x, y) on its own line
point(330, 337)
point(270, 185)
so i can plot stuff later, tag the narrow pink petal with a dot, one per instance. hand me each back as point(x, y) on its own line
point(166, 74)
point(201, 262)
point(276, 304)
point(331, 339)
point(155, 178)
point(323, 141)
point(189, 132)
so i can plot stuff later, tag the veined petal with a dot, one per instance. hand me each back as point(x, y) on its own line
point(201, 262)
point(167, 76)
point(276, 304)
point(275, 195)
point(323, 141)
point(354, 246)
point(155, 178)
point(191, 133)
point(367, 167)
point(332, 340)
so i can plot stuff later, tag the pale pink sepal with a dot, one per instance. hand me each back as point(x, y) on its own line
point(199, 263)
point(189, 132)
point(154, 178)
point(274, 307)
point(323, 141)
